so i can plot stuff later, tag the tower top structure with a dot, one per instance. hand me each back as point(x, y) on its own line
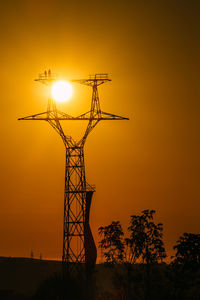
point(94, 115)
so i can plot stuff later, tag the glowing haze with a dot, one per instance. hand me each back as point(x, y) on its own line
point(61, 91)
point(151, 50)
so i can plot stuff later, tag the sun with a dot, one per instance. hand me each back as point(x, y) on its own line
point(61, 91)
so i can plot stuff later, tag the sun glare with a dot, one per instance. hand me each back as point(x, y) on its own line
point(61, 91)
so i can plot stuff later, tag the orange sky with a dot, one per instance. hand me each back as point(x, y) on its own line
point(151, 50)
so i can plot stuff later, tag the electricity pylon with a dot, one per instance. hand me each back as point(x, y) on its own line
point(78, 242)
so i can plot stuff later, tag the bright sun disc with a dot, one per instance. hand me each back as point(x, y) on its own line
point(61, 91)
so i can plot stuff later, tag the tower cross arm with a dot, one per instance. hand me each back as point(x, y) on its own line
point(96, 79)
point(108, 116)
point(40, 116)
point(61, 116)
point(101, 116)
point(48, 116)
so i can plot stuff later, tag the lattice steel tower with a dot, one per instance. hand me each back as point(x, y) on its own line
point(78, 242)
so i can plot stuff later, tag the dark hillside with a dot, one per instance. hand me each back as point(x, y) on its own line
point(24, 275)
point(34, 279)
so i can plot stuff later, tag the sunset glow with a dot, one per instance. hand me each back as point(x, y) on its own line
point(61, 91)
point(150, 49)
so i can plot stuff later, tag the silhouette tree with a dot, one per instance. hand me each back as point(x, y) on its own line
point(145, 244)
point(185, 267)
point(188, 249)
point(146, 239)
point(112, 242)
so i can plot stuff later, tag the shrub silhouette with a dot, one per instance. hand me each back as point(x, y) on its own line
point(112, 242)
point(188, 249)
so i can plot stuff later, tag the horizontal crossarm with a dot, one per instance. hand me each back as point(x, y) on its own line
point(48, 116)
point(108, 116)
point(103, 116)
point(96, 79)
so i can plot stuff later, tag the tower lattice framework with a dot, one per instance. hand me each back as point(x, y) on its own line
point(78, 242)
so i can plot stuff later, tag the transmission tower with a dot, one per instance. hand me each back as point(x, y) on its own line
point(78, 242)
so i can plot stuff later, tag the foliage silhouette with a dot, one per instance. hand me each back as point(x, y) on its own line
point(185, 267)
point(188, 249)
point(146, 239)
point(144, 245)
point(112, 242)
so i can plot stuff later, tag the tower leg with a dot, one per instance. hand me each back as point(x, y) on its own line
point(78, 242)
